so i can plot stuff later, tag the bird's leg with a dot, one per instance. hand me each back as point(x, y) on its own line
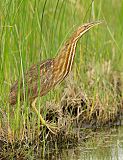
point(35, 109)
point(51, 128)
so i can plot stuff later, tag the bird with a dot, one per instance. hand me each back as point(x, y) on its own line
point(44, 76)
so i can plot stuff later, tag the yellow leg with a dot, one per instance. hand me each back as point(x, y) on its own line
point(51, 128)
point(35, 109)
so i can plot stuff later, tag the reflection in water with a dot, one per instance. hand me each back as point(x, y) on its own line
point(105, 145)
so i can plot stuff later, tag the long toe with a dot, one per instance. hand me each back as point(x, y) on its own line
point(52, 128)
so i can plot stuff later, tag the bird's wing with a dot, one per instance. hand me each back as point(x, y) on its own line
point(37, 80)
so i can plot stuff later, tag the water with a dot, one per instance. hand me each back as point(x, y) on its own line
point(103, 145)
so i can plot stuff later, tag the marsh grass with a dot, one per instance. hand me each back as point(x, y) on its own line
point(32, 31)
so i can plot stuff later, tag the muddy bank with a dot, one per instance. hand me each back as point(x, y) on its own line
point(75, 120)
point(78, 113)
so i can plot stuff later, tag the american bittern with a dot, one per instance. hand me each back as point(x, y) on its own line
point(41, 78)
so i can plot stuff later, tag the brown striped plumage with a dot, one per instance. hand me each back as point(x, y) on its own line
point(43, 77)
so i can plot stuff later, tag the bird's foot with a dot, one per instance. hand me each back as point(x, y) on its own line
point(52, 128)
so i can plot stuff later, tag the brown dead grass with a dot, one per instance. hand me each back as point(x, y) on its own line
point(78, 110)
